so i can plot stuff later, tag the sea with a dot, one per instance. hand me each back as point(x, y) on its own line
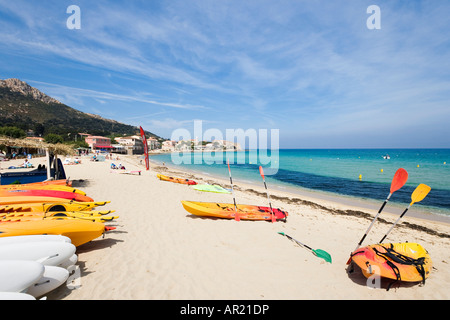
point(363, 174)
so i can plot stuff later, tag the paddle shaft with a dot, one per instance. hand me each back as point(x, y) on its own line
point(373, 222)
point(268, 198)
point(232, 191)
point(237, 218)
point(298, 242)
point(401, 216)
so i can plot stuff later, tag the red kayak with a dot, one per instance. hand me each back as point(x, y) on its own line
point(45, 193)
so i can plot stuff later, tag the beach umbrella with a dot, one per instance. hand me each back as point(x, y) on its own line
point(418, 195)
point(317, 252)
point(399, 180)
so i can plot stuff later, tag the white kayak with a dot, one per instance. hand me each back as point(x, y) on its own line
point(69, 262)
point(48, 253)
point(53, 278)
point(15, 296)
point(34, 238)
point(16, 276)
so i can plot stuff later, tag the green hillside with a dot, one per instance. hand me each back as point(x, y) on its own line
point(27, 108)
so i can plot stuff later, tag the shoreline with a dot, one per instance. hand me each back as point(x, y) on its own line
point(358, 208)
point(394, 209)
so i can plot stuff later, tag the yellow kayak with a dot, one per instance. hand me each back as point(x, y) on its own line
point(62, 205)
point(227, 211)
point(79, 231)
point(91, 213)
point(176, 180)
point(399, 261)
point(40, 187)
point(96, 216)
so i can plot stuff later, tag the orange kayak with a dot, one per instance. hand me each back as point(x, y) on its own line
point(61, 182)
point(399, 261)
point(6, 195)
point(227, 211)
point(39, 187)
point(176, 180)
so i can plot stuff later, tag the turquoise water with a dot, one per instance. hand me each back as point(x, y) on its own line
point(335, 171)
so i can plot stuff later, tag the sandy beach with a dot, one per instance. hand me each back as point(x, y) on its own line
point(160, 251)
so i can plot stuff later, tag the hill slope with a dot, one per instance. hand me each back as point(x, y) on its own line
point(28, 108)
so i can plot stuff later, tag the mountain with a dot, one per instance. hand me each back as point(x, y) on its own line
point(30, 109)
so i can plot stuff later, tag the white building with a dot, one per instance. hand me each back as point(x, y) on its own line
point(168, 146)
point(132, 144)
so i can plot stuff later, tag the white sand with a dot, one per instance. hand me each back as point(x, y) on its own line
point(160, 251)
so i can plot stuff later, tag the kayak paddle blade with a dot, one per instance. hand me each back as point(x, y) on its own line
point(420, 193)
point(323, 254)
point(261, 171)
point(399, 180)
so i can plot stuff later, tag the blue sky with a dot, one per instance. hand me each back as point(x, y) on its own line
point(311, 69)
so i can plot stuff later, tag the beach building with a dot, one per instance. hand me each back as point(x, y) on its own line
point(168, 146)
point(226, 145)
point(153, 143)
point(99, 143)
point(132, 144)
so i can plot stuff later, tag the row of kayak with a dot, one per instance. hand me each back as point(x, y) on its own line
point(224, 210)
point(41, 225)
point(33, 266)
point(408, 262)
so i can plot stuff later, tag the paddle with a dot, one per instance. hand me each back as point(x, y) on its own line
point(418, 195)
point(236, 216)
point(399, 180)
point(261, 171)
point(317, 252)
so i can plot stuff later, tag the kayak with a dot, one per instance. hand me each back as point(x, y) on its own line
point(61, 182)
point(36, 193)
point(96, 216)
point(42, 187)
point(79, 231)
point(17, 276)
point(408, 262)
point(8, 201)
point(227, 211)
point(210, 188)
point(14, 296)
point(91, 213)
point(52, 278)
point(36, 238)
point(176, 180)
point(64, 205)
point(49, 253)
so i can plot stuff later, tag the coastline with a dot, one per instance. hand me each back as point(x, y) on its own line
point(394, 209)
point(161, 252)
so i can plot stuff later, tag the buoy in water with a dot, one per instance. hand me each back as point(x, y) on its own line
point(360, 177)
point(381, 170)
point(418, 166)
